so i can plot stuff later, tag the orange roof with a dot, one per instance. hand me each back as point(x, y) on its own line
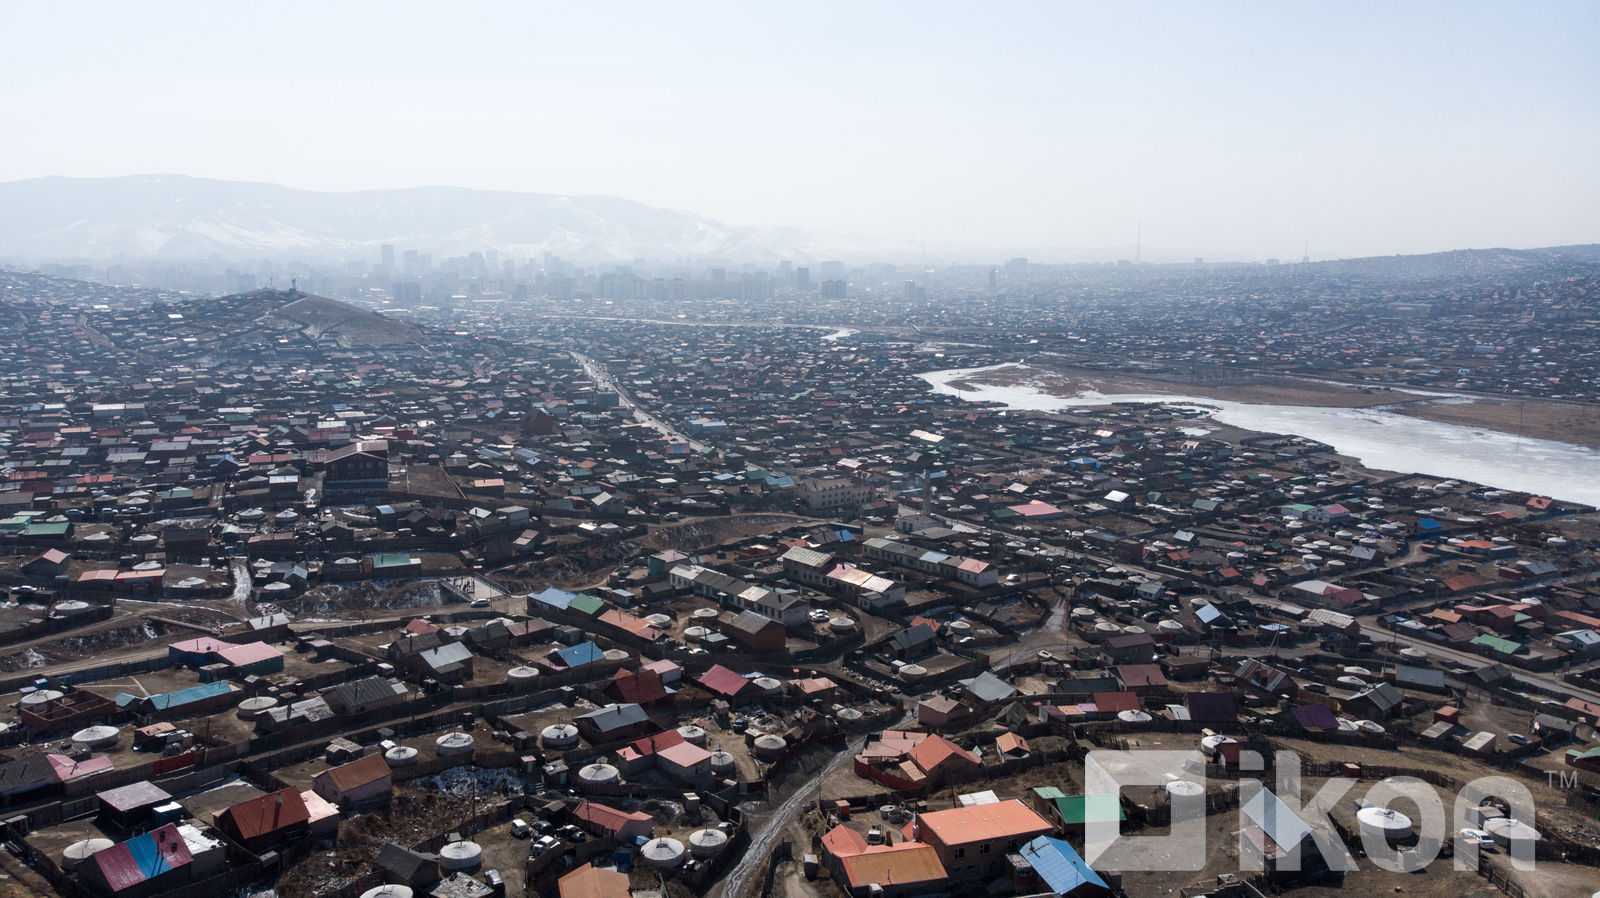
point(589, 882)
point(906, 862)
point(981, 822)
point(1011, 742)
point(935, 751)
point(842, 841)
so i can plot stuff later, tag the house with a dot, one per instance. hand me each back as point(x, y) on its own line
point(144, 865)
point(363, 695)
point(753, 632)
point(986, 687)
point(914, 642)
point(724, 683)
point(900, 870)
point(938, 756)
point(1142, 679)
point(1209, 708)
point(972, 841)
point(1280, 841)
point(1056, 866)
point(604, 820)
point(614, 722)
point(130, 807)
point(47, 564)
point(266, 820)
point(356, 784)
point(685, 762)
point(642, 687)
point(417, 869)
point(589, 881)
point(941, 711)
point(1129, 648)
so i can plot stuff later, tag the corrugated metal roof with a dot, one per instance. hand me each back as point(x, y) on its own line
point(1059, 865)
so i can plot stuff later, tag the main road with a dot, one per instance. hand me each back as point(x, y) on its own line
point(603, 379)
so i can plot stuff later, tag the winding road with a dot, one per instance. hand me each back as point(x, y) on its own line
point(762, 839)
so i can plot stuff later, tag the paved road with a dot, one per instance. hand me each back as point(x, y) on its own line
point(603, 379)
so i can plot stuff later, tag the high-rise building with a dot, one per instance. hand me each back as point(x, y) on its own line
point(833, 289)
point(802, 279)
point(388, 257)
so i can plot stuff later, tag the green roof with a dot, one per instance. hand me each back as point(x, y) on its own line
point(392, 559)
point(1081, 809)
point(586, 605)
point(1049, 793)
point(1503, 646)
point(47, 529)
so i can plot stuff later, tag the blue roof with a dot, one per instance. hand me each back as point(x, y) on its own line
point(183, 696)
point(1059, 865)
point(555, 598)
point(580, 654)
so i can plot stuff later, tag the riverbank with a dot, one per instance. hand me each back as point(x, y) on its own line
point(1365, 426)
point(1539, 419)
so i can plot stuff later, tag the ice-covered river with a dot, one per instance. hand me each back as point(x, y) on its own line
point(1379, 439)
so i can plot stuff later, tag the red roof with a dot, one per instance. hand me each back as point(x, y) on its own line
point(723, 681)
point(606, 817)
point(267, 814)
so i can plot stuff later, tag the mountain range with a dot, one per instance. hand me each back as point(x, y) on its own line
point(178, 218)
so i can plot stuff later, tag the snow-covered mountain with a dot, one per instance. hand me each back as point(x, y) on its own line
point(176, 217)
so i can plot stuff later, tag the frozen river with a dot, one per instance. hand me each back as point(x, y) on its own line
point(1379, 439)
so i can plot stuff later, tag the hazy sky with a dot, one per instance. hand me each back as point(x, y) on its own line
point(1226, 128)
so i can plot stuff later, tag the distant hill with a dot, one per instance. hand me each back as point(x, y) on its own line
point(321, 319)
point(182, 218)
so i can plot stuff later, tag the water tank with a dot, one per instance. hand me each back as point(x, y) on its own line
point(704, 614)
point(695, 634)
point(400, 756)
point(599, 775)
point(255, 705)
point(768, 685)
point(559, 737)
point(692, 734)
point(461, 855)
point(1133, 717)
point(390, 891)
point(71, 608)
point(1390, 825)
point(842, 624)
point(75, 854)
point(768, 747)
point(662, 853)
point(453, 744)
point(707, 842)
point(41, 697)
point(96, 738)
point(522, 675)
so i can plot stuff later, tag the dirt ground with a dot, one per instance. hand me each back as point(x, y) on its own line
point(1569, 422)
